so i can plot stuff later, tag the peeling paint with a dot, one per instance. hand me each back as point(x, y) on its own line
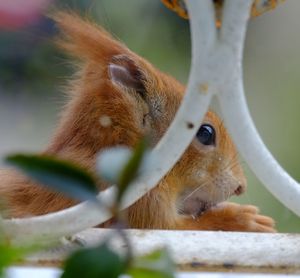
point(198, 250)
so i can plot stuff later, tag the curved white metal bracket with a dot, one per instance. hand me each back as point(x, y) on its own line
point(216, 69)
point(239, 122)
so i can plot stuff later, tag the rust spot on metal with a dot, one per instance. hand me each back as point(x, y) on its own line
point(198, 264)
point(228, 265)
point(190, 125)
point(203, 88)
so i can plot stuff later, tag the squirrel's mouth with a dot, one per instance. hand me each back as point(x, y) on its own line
point(196, 200)
point(195, 207)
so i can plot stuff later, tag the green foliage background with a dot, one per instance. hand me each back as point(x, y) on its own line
point(32, 72)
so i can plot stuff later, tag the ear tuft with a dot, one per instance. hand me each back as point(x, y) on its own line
point(123, 71)
point(84, 39)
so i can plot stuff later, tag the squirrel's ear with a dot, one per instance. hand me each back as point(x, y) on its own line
point(84, 39)
point(123, 71)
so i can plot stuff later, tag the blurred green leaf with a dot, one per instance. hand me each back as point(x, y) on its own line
point(130, 171)
point(57, 174)
point(9, 254)
point(94, 262)
point(157, 264)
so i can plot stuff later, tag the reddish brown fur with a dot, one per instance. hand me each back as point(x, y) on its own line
point(80, 136)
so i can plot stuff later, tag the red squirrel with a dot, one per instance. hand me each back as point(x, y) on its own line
point(116, 98)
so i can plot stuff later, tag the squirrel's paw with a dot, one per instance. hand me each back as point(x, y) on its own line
point(243, 218)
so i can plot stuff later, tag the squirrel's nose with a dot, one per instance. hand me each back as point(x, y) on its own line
point(240, 190)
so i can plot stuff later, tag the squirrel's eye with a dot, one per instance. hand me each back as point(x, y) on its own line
point(206, 135)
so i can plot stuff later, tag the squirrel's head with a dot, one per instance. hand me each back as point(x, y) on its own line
point(118, 97)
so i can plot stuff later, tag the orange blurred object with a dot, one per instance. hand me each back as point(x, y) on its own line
point(259, 7)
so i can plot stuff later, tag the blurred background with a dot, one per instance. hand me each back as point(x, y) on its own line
point(32, 72)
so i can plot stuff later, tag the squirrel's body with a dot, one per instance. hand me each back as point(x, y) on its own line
point(117, 99)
